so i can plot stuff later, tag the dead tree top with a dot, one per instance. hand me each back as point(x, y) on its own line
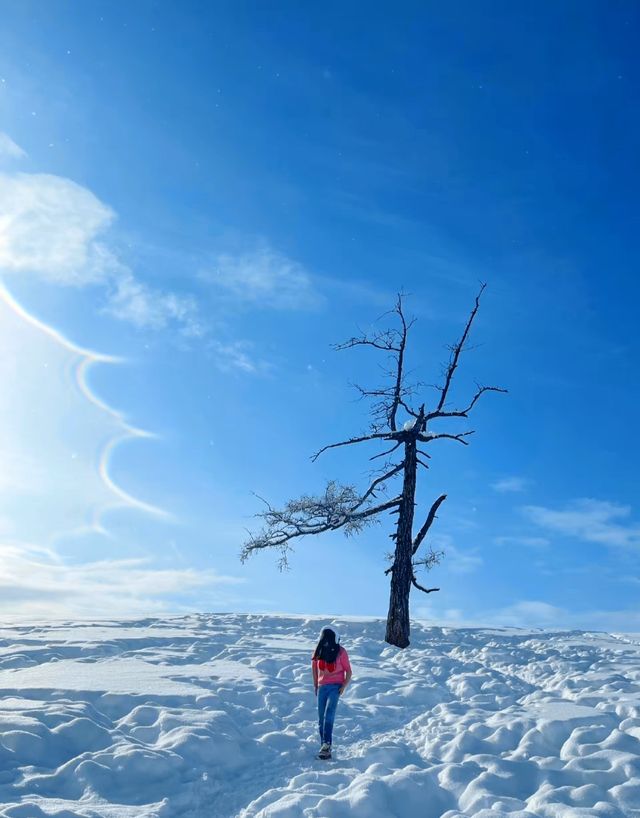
point(343, 507)
point(389, 400)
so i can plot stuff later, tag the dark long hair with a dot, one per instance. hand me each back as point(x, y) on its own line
point(327, 648)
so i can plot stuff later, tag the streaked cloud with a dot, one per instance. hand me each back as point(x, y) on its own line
point(9, 149)
point(132, 301)
point(264, 278)
point(56, 441)
point(238, 356)
point(511, 484)
point(37, 582)
point(56, 231)
point(56, 436)
point(592, 520)
point(527, 542)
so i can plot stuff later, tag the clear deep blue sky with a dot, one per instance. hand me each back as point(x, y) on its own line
point(215, 193)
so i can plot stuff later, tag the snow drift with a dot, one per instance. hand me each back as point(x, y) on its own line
point(214, 715)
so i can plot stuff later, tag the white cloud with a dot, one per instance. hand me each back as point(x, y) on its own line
point(56, 437)
point(132, 301)
point(9, 149)
point(36, 582)
point(56, 441)
point(588, 519)
point(49, 228)
point(265, 278)
point(510, 484)
point(55, 230)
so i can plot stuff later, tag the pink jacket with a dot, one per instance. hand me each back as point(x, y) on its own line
point(326, 677)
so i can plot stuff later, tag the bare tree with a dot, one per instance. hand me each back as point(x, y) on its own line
point(344, 507)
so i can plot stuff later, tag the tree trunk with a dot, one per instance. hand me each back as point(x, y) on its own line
point(398, 624)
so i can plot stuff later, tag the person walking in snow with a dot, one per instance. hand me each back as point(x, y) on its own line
point(331, 675)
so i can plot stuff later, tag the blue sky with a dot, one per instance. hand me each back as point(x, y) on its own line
point(198, 199)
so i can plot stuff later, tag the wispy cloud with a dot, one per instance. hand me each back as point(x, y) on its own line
point(238, 356)
point(445, 616)
point(56, 436)
point(56, 230)
point(9, 149)
point(588, 519)
point(541, 614)
point(511, 484)
point(132, 301)
point(534, 613)
point(527, 542)
point(529, 613)
point(264, 278)
point(358, 290)
point(37, 582)
point(456, 561)
point(462, 562)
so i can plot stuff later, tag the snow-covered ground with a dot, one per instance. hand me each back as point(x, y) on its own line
point(214, 716)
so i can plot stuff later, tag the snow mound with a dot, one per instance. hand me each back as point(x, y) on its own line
point(214, 715)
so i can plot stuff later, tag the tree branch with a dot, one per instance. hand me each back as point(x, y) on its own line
point(393, 411)
point(408, 408)
point(377, 482)
point(336, 509)
point(373, 436)
point(420, 588)
point(389, 451)
point(427, 525)
point(434, 557)
point(394, 342)
point(444, 436)
point(463, 413)
point(384, 340)
point(455, 354)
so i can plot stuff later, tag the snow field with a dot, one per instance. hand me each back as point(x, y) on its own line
point(214, 715)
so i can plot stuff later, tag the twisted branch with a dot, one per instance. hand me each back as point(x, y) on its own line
point(420, 588)
point(373, 436)
point(427, 525)
point(463, 413)
point(444, 436)
point(336, 509)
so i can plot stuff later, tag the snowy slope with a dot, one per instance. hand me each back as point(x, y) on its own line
point(215, 716)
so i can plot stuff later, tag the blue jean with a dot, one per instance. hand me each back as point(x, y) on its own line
point(328, 696)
